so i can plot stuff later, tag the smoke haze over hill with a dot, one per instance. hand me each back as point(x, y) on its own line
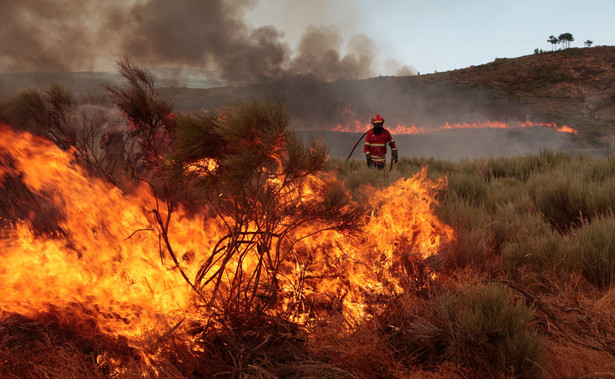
point(74, 35)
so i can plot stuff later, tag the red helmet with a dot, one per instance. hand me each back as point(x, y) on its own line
point(377, 119)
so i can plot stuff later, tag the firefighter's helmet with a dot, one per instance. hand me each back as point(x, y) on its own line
point(377, 119)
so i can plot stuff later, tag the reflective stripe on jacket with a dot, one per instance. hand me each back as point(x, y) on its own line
point(376, 145)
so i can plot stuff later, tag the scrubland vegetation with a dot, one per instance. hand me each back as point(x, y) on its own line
point(524, 290)
point(539, 229)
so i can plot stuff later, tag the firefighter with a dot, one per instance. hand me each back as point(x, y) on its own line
point(376, 144)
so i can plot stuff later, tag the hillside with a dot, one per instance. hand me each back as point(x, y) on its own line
point(574, 87)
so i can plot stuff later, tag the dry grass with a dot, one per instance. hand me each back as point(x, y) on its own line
point(571, 361)
point(542, 225)
point(50, 347)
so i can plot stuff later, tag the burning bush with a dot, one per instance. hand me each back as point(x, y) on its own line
point(42, 112)
point(267, 254)
point(151, 126)
point(266, 190)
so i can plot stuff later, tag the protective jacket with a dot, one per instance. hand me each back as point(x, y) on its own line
point(376, 145)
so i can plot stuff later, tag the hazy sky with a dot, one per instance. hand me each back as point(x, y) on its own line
point(244, 41)
point(442, 35)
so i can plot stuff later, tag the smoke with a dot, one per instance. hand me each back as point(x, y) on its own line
point(45, 35)
point(391, 65)
point(456, 144)
point(75, 35)
point(208, 34)
point(319, 55)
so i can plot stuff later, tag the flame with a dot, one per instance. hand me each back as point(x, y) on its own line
point(202, 166)
point(401, 224)
point(105, 266)
point(109, 263)
point(356, 126)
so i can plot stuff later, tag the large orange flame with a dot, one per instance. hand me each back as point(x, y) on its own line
point(109, 262)
point(400, 226)
point(105, 267)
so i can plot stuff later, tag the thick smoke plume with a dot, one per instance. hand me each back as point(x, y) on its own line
point(76, 35)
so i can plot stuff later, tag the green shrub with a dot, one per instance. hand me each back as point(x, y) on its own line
point(460, 213)
point(469, 186)
point(599, 169)
point(42, 112)
point(558, 196)
point(515, 220)
point(473, 247)
point(491, 330)
point(515, 167)
point(578, 191)
point(437, 167)
point(548, 160)
point(593, 251)
point(541, 249)
point(590, 250)
point(598, 197)
point(26, 110)
point(474, 239)
point(508, 192)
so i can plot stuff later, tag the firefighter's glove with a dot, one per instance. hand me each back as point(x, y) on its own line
point(369, 159)
point(394, 156)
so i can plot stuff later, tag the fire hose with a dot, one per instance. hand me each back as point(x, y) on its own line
point(355, 146)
